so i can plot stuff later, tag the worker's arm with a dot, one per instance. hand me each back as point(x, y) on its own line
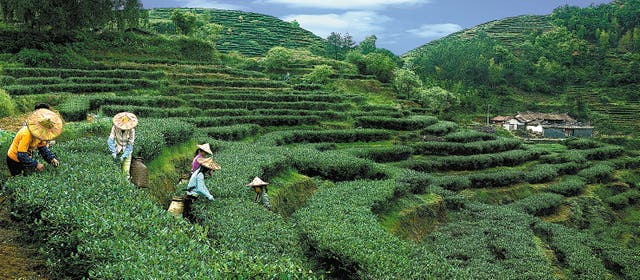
point(46, 153)
point(111, 141)
point(27, 161)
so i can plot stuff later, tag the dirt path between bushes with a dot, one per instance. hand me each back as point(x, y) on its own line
point(18, 260)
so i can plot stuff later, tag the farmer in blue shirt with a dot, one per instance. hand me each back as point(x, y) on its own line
point(196, 184)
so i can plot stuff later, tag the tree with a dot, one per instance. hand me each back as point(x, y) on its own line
point(185, 21)
point(319, 75)
point(59, 16)
point(295, 24)
point(368, 44)
point(380, 65)
point(438, 100)
point(277, 59)
point(357, 58)
point(405, 82)
point(209, 32)
point(338, 45)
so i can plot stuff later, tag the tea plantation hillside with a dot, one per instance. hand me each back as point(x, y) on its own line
point(248, 33)
point(363, 184)
point(583, 61)
point(360, 189)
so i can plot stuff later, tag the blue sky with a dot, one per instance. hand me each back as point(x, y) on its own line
point(399, 25)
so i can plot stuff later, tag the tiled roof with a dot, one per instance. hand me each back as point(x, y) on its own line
point(532, 116)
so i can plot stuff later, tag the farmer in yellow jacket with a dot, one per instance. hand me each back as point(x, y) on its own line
point(42, 125)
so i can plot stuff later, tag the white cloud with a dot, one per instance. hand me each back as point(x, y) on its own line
point(435, 30)
point(211, 4)
point(358, 24)
point(347, 4)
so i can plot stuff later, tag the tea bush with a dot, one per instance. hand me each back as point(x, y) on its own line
point(316, 136)
point(382, 154)
point(347, 237)
point(490, 241)
point(233, 132)
point(74, 109)
point(598, 173)
point(283, 120)
point(465, 136)
point(440, 128)
point(569, 186)
point(97, 225)
point(413, 123)
point(538, 204)
point(467, 148)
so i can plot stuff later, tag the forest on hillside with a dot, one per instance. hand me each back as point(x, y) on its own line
point(378, 166)
point(569, 56)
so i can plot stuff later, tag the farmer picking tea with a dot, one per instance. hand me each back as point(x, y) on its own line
point(43, 125)
point(121, 139)
point(260, 187)
point(196, 184)
point(201, 152)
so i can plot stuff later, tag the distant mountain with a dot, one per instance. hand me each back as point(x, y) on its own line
point(507, 31)
point(248, 33)
point(584, 61)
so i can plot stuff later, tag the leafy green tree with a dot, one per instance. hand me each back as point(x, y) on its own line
point(438, 100)
point(380, 65)
point(368, 44)
point(209, 32)
point(59, 16)
point(319, 75)
point(295, 24)
point(277, 59)
point(337, 45)
point(405, 82)
point(186, 22)
point(357, 58)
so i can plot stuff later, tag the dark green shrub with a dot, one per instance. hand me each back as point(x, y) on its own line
point(539, 204)
point(440, 128)
point(541, 173)
point(412, 123)
point(496, 179)
point(232, 133)
point(598, 173)
point(569, 186)
point(74, 108)
point(383, 154)
point(465, 136)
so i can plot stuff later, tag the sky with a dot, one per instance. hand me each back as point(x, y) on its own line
point(399, 25)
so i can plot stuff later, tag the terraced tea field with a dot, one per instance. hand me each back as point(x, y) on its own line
point(361, 187)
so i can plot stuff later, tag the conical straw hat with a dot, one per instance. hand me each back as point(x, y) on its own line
point(205, 147)
point(45, 124)
point(257, 182)
point(209, 163)
point(125, 120)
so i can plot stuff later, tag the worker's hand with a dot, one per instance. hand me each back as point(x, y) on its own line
point(55, 162)
point(40, 167)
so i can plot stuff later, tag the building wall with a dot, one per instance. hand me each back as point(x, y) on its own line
point(553, 132)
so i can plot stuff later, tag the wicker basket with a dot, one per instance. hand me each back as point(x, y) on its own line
point(139, 173)
point(177, 206)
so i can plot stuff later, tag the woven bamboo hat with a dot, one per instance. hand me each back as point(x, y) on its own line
point(125, 120)
point(45, 124)
point(205, 147)
point(209, 163)
point(257, 182)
